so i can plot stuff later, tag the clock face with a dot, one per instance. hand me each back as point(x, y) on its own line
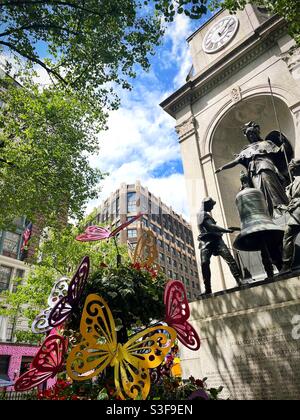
point(220, 34)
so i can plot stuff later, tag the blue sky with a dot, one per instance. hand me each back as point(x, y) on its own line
point(141, 143)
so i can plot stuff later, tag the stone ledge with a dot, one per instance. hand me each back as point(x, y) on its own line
point(259, 295)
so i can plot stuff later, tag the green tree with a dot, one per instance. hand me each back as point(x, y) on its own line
point(45, 140)
point(82, 44)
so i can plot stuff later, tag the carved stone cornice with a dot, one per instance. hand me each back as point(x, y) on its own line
point(186, 129)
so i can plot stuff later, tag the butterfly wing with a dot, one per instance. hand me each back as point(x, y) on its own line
point(46, 364)
point(79, 281)
point(58, 291)
point(41, 323)
point(146, 249)
point(146, 350)
point(178, 313)
point(31, 379)
point(124, 225)
point(94, 233)
point(64, 307)
point(99, 341)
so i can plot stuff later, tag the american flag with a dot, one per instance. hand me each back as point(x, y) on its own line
point(26, 237)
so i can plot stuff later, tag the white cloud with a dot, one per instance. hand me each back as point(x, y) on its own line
point(141, 136)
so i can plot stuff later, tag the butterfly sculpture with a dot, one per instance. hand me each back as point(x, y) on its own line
point(46, 365)
point(100, 349)
point(98, 233)
point(146, 249)
point(41, 323)
point(178, 313)
point(65, 306)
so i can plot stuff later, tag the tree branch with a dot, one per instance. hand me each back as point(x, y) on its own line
point(52, 3)
point(37, 26)
point(35, 60)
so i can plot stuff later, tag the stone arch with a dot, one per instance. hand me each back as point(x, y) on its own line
point(226, 139)
point(282, 94)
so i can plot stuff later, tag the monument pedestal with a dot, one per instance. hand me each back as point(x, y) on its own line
point(250, 341)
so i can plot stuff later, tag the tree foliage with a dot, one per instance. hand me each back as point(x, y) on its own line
point(45, 140)
point(82, 44)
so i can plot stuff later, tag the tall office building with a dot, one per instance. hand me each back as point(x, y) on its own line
point(174, 236)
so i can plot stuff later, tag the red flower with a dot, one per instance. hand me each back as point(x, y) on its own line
point(199, 383)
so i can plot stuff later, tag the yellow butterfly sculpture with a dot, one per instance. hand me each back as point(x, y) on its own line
point(99, 349)
point(146, 249)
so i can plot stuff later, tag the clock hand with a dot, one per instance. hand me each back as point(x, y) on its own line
point(225, 28)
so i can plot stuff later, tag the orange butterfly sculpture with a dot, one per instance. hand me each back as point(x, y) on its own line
point(146, 250)
point(100, 349)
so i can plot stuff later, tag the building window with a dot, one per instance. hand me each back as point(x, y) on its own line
point(174, 263)
point(131, 233)
point(181, 267)
point(131, 202)
point(170, 273)
point(17, 280)
point(117, 207)
point(169, 260)
point(145, 222)
point(167, 247)
point(159, 243)
point(187, 282)
point(193, 284)
point(25, 364)
point(9, 244)
point(5, 276)
point(4, 364)
point(153, 227)
point(161, 256)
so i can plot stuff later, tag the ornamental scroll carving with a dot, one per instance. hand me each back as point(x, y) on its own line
point(236, 94)
point(292, 60)
point(186, 129)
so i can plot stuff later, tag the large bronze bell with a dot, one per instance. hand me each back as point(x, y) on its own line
point(257, 228)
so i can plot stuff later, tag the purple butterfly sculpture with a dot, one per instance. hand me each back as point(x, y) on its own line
point(64, 307)
point(97, 233)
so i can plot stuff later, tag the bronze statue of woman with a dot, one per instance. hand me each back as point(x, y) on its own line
point(260, 157)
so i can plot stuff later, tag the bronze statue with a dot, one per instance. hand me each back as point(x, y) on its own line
point(261, 159)
point(211, 243)
point(293, 224)
point(258, 231)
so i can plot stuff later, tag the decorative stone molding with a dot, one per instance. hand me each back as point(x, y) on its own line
point(236, 94)
point(186, 129)
point(236, 63)
point(292, 60)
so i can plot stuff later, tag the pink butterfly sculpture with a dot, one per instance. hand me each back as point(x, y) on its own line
point(64, 307)
point(46, 365)
point(98, 233)
point(178, 313)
